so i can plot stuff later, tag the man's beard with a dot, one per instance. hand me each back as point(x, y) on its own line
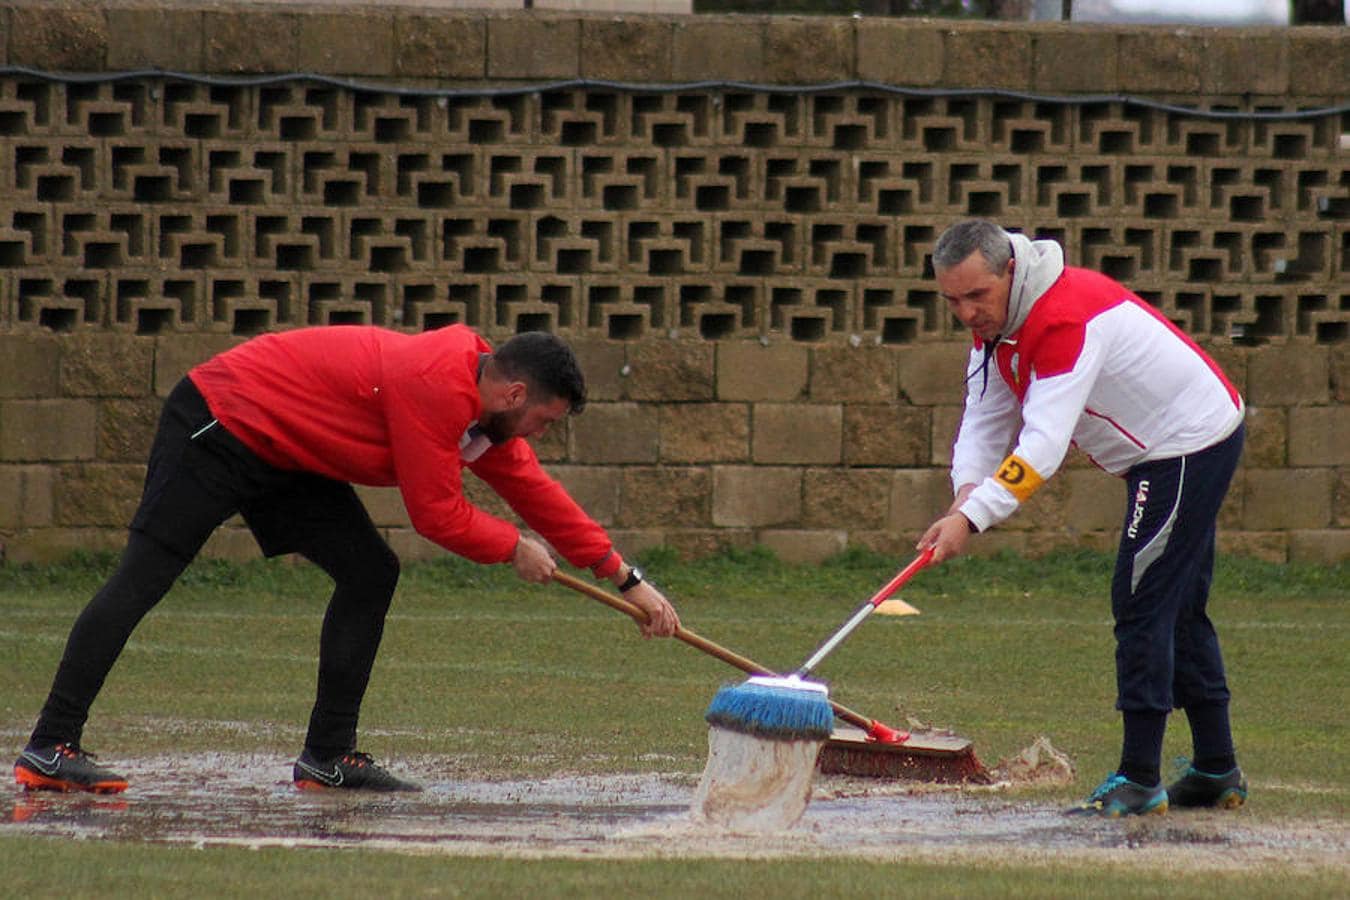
point(501, 426)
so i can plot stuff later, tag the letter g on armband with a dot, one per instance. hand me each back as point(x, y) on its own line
point(1017, 475)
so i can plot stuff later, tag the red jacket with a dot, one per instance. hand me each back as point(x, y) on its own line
point(371, 406)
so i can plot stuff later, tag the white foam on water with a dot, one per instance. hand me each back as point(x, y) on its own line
point(753, 783)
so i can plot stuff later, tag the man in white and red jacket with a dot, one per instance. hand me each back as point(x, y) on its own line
point(1065, 355)
point(278, 429)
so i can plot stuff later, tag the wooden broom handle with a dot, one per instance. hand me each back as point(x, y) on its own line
point(730, 657)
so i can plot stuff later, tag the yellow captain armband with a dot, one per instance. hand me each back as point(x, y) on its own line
point(1017, 475)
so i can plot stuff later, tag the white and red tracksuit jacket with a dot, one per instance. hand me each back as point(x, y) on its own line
point(1086, 362)
point(376, 407)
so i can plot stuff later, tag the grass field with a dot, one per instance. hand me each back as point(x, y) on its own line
point(501, 680)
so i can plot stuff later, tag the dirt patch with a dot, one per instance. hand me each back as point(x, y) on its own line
point(247, 800)
point(1039, 763)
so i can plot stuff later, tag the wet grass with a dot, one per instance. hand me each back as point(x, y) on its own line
point(513, 680)
point(150, 871)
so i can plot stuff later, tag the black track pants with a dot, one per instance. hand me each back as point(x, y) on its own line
point(198, 476)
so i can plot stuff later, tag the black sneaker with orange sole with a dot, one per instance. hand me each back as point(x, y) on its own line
point(351, 771)
point(64, 767)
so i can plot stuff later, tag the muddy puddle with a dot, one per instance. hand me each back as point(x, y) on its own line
point(244, 800)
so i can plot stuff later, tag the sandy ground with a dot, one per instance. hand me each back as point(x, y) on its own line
point(245, 800)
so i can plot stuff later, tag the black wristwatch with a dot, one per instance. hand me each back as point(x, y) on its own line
point(633, 580)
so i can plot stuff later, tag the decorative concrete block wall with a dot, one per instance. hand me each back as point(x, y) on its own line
point(729, 217)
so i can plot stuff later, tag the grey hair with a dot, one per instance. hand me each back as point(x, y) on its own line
point(964, 238)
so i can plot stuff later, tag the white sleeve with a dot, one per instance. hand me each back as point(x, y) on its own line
point(988, 424)
point(1050, 411)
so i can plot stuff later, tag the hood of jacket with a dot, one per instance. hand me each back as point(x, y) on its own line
point(1037, 265)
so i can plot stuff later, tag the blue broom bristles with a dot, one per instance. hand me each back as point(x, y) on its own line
point(778, 708)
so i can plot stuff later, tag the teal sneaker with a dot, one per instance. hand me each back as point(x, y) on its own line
point(1225, 791)
point(1118, 796)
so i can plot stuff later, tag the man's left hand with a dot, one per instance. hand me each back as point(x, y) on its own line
point(662, 619)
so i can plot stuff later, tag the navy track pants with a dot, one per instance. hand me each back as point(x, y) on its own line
point(1167, 652)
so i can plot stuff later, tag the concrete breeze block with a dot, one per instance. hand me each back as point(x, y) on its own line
point(541, 46)
point(97, 494)
point(918, 497)
point(902, 52)
point(155, 37)
point(25, 496)
point(1160, 59)
point(750, 371)
point(932, 374)
point(1267, 440)
point(1319, 65)
point(440, 44)
point(707, 47)
point(1340, 501)
point(1096, 500)
point(107, 365)
point(1287, 499)
point(665, 497)
point(1289, 375)
point(705, 432)
point(29, 365)
point(853, 374)
point(1322, 547)
point(56, 39)
point(886, 434)
point(799, 433)
point(987, 56)
point(1075, 58)
point(1319, 436)
point(670, 371)
point(349, 42)
point(1255, 61)
point(48, 430)
point(756, 497)
point(800, 547)
point(602, 363)
point(615, 433)
point(595, 488)
point(126, 428)
point(627, 48)
point(251, 39)
point(846, 498)
point(800, 50)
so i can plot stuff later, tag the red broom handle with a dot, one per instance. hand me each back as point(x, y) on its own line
point(862, 612)
point(904, 575)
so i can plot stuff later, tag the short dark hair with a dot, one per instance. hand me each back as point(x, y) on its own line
point(546, 364)
point(956, 244)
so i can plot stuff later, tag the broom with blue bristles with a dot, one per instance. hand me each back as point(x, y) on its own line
point(782, 709)
point(793, 707)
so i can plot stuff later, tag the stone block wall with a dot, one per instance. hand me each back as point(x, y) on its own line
point(741, 263)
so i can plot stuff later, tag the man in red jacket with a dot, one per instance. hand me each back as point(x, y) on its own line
point(278, 430)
